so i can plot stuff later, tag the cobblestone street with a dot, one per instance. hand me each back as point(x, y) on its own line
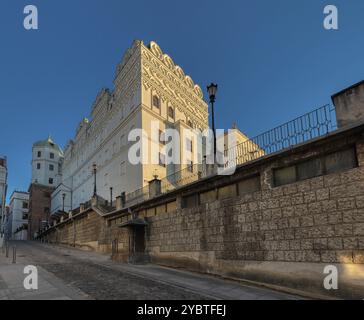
point(74, 274)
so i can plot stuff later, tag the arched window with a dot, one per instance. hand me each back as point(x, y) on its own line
point(171, 113)
point(156, 101)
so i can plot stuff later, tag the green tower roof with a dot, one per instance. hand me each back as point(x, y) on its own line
point(49, 143)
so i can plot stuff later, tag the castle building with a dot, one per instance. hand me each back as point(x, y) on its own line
point(149, 90)
point(47, 159)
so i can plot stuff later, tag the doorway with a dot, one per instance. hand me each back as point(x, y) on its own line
point(137, 246)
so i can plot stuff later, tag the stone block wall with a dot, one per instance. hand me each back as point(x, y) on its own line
point(314, 220)
point(89, 231)
point(317, 220)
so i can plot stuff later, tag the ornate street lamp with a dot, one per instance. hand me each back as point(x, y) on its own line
point(63, 197)
point(94, 170)
point(212, 90)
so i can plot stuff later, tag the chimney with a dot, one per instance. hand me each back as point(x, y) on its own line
point(349, 104)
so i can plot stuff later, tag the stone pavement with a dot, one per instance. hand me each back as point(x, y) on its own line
point(68, 273)
point(49, 286)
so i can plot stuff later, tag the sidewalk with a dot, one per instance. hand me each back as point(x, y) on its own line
point(209, 286)
point(49, 287)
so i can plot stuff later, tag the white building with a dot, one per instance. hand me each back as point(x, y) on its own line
point(47, 159)
point(18, 214)
point(148, 88)
point(3, 189)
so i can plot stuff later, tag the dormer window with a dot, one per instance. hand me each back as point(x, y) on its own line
point(156, 102)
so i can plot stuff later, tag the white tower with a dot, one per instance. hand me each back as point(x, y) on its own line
point(47, 158)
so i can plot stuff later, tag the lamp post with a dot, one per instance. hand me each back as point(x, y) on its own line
point(63, 197)
point(212, 90)
point(94, 170)
point(110, 196)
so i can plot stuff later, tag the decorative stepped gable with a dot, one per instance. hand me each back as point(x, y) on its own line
point(160, 74)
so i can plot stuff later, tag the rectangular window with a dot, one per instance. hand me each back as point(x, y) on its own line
point(190, 166)
point(309, 169)
point(51, 167)
point(189, 145)
point(51, 155)
point(156, 102)
point(39, 154)
point(50, 180)
point(106, 177)
point(122, 168)
point(122, 141)
point(171, 113)
point(162, 160)
point(227, 192)
point(285, 176)
point(190, 201)
point(25, 205)
point(249, 185)
point(326, 164)
point(208, 197)
point(339, 161)
point(38, 166)
point(162, 137)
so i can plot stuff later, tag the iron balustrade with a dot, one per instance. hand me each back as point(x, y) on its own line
point(137, 196)
point(311, 125)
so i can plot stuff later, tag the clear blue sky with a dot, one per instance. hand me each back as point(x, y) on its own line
point(273, 60)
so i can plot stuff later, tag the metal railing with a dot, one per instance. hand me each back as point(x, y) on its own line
point(311, 125)
point(104, 204)
point(180, 178)
point(137, 196)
